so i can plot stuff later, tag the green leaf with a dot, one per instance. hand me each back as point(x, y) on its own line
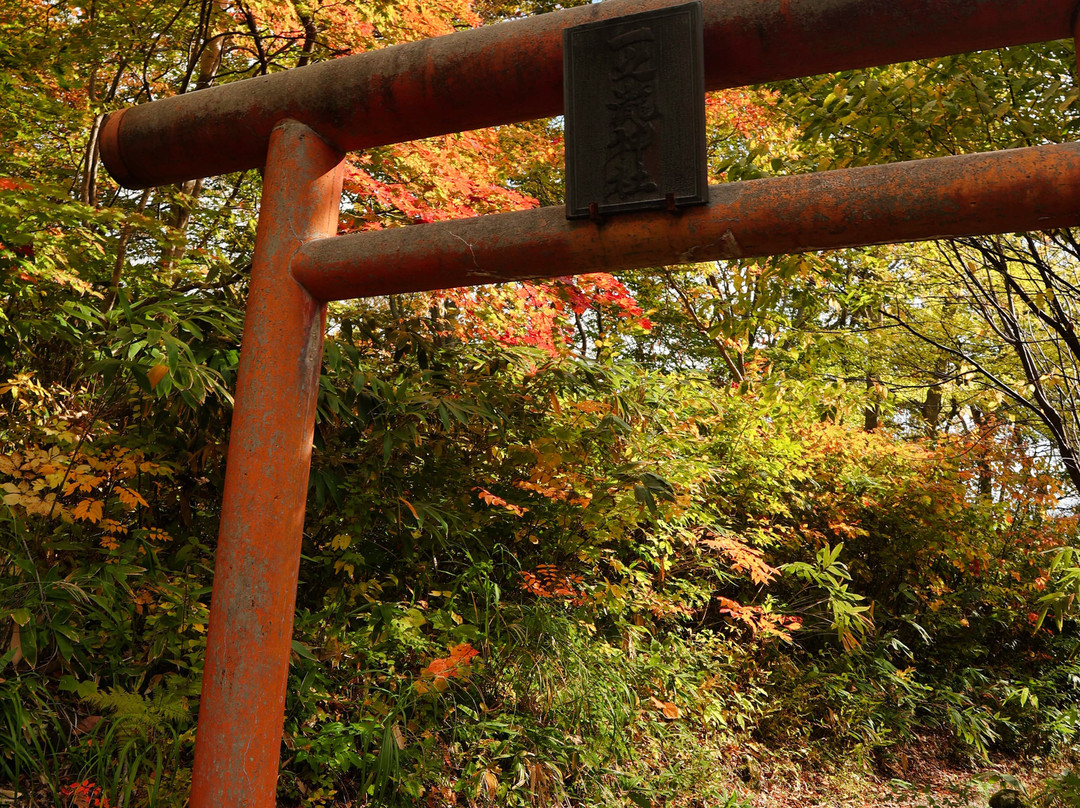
point(302, 650)
point(29, 642)
point(21, 616)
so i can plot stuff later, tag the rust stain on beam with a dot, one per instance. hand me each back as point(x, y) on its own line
point(512, 71)
point(977, 194)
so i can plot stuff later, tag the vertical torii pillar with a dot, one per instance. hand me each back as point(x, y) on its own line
point(242, 706)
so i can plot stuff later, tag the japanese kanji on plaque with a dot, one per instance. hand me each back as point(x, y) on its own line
point(635, 113)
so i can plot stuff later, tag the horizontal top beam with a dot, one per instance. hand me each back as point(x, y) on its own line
point(512, 71)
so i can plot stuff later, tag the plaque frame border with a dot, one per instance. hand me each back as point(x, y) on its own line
point(579, 207)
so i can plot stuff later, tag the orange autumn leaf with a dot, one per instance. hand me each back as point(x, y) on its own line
point(743, 558)
point(668, 710)
point(497, 501)
point(548, 581)
point(89, 510)
point(156, 374)
point(759, 620)
point(130, 499)
point(438, 673)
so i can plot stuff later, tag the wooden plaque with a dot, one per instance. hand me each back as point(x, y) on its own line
point(635, 113)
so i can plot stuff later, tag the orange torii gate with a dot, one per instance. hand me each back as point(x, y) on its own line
point(298, 124)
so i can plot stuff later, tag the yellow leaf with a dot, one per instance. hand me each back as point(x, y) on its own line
point(340, 565)
point(491, 783)
point(39, 507)
point(399, 736)
point(156, 374)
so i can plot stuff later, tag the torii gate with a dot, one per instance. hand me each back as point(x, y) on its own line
point(299, 123)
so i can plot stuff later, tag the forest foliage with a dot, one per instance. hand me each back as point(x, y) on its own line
point(587, 541)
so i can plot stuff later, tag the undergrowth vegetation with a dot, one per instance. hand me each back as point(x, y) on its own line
point(531, 582)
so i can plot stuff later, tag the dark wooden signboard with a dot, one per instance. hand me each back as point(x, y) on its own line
point(635, 113)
